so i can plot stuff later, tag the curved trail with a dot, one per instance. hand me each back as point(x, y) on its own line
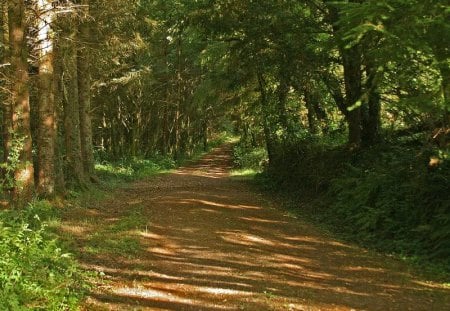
point(210, 242)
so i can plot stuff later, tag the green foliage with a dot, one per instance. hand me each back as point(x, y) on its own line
point(395, 202)
point(35, 272)
point(7, 180)
point(387, 197)
point(247, 157)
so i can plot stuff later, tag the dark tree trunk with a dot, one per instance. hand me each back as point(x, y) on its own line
point(283, 90)
point(371, 117)
point(266, 117)
point(309, 101)
point(352, 77)
point(351, 61)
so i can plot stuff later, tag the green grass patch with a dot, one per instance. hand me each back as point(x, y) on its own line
point(121, 237)
point(244, 174)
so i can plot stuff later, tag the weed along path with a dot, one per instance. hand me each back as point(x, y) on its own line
point(197, 239)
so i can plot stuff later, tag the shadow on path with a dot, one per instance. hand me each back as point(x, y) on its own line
point(208, 242)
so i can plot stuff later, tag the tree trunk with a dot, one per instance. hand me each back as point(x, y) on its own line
point(445, 89)
point(351, 61)
point(283, 90)
point(5, 99)
point(58, 116)
point(265, 117)
point(46, 137)
point(84, 93)
point(74, 160)
point(371, 117)
point(309, 101)
point(352, 77)
point(24, 171)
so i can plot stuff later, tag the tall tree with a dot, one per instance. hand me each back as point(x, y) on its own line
point(46, 137)
point(4, 96)
point(84, 88)
point(24, 170)
point(68, 53)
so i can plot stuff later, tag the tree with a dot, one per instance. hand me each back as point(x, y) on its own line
point(84, 89)
point(22, 145)
point(68, 41)
point(46, 137)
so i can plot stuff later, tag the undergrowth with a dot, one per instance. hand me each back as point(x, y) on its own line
point(35, 271)
point(386, 197)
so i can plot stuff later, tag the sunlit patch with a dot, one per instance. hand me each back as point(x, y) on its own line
point(135, 202)
point(365, 269)
point(158, 295)
point(190, 230)
point(151, 235)
point(335, 243)
point(223, 291)
point(25, 175)
point(243, 238)
point(74, 229)
point(283, 257)
point(261, 220)
point(291, 266)
point(161, 250)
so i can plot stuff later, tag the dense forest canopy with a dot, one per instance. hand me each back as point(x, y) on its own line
point(342, 103)
point(95, 79)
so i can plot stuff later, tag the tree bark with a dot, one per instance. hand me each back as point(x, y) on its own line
point(46, 137)
point(84, 93)
point(351, 61)
point(24, 170)
point(74, 161)
point(309, 101)
point(5, 99)
point(371, 116)
point(265, 117)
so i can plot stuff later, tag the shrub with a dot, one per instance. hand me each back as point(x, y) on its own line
point(247, 157)
point(387, 197)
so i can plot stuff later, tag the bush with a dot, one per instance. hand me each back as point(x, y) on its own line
point(395, 202)
point(387, 197)
point(35, 273)
point(247, 157)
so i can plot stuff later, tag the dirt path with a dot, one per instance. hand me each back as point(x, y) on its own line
point(199, 240)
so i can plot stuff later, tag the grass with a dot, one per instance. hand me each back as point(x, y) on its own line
point(120, 238)
point(244, 173)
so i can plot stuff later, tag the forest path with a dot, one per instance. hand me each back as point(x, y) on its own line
point(197, 239)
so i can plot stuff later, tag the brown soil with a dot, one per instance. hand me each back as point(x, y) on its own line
point(211, 242)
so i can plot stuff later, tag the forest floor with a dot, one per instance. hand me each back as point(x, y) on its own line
point(198, 239)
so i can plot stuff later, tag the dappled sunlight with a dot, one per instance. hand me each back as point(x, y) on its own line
point(213, 244)
point(266, 221)
point(162, 295)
